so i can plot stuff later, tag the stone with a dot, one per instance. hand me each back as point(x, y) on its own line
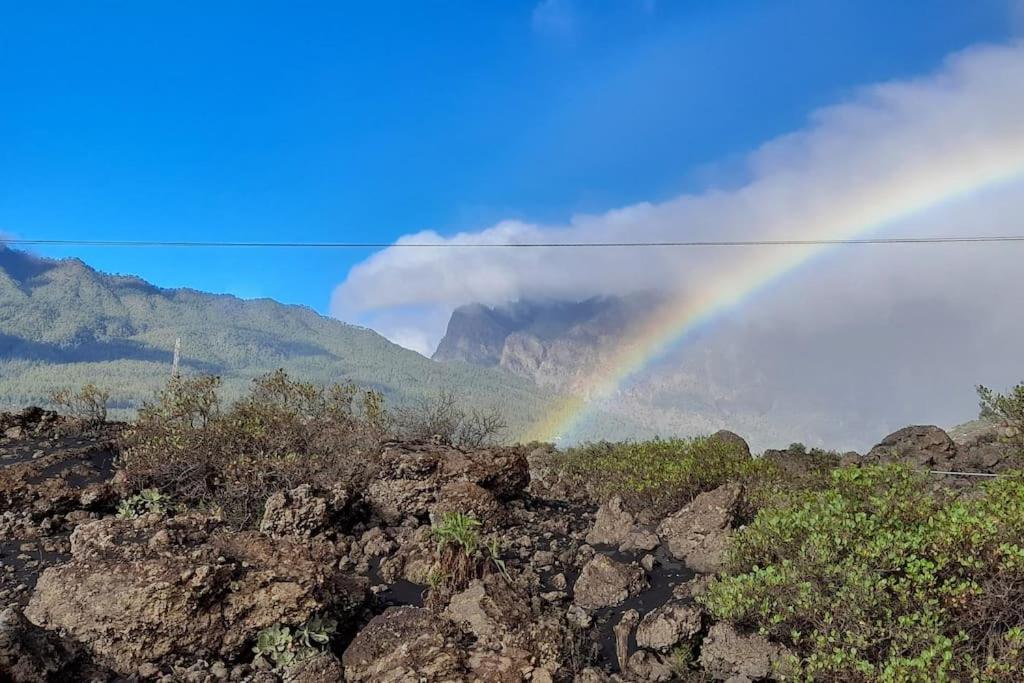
point(667, 626)
point(639, 539)
point(605, 582)
point(488, 609)
point(918, 445)
point(733, 439)
point(413, 474)
point(612, 524)
point(741, 658)
point(622, 630)
point(323, 668)
point(647, 666)
point(468, 498)
point(700, 532)
point(404, 644)
point(27, 653)
point(300, 512)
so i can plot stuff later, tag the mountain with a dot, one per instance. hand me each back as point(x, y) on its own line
point(553, 343)
point(63, 323)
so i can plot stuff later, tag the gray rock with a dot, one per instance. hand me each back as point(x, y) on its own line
point(622, 630)
point(607, 583)
point(699, 534)
point(664, 628)
point(728, 655)
point(612, 524)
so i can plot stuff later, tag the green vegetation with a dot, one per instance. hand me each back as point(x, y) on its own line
point(144, 502)
point(462, 556)
point(283, 647)
point(877, 577)
point(1007, 409)
point(658, 476)
point(65, 324)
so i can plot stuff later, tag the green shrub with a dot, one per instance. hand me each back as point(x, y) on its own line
point(878, 577)
point(658, 476)
point(283, 646)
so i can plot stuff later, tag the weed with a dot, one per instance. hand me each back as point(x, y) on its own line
point(284, 646)
point(144, 502)
point(462, 556)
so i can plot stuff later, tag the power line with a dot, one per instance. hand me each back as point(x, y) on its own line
point(515, 245)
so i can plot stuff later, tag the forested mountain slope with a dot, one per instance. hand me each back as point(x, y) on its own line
point(63, 323)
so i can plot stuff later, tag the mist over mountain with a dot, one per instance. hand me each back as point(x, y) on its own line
point(769, 377)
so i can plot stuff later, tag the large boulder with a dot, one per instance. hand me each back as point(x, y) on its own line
point(924, 446)
point(139, 592)
point(667, 626)
point(727, 655)
point(304, 511)
point(404, 644)
point(412, 475)
point(699, 534)
point(732, 439)
point(604, 582)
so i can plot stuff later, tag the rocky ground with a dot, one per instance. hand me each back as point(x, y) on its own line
point(582, 593)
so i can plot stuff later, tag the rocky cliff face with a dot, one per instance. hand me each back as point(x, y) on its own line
point(553, 343)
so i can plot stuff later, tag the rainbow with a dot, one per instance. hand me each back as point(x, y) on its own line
point(857, 215)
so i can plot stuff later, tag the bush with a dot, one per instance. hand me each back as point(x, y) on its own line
point(283, 434)
point(878, 577)
point(1007, 409)
point(443, 417)
point(89, 403)
point(658, 476)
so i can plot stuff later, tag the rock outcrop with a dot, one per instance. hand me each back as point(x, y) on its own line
point(412, 476)
point(139, 592)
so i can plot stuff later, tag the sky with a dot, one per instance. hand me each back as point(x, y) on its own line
point(373, 121)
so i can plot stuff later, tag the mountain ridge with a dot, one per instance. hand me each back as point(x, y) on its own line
point(64, 323)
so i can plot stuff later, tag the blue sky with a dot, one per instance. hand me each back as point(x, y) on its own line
point(368, 121)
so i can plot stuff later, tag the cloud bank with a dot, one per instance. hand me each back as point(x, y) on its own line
point(884, 138)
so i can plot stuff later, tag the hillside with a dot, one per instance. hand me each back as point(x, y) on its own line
point(63, 323)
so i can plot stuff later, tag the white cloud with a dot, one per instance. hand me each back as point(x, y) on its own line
point(885, 141)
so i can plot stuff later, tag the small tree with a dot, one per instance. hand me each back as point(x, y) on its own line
point(442, 417)
point(88, 403)
point(1007, 409)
